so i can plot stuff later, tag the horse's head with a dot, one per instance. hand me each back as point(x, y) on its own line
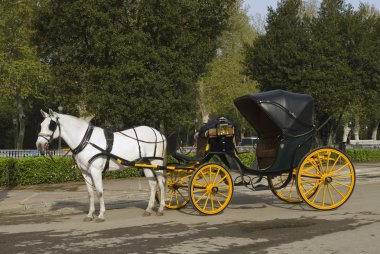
point(48, 131)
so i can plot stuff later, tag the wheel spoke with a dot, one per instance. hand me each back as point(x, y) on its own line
point(310, 175)
point(331, 196)
point(212, 202)
point(221, 180)
point(316, 166)
point(204, 206)
point(291, 188)
point(324, 195)
point(176, 198)
point(311, 189)
point(337, 190)
point(342, 184)
point(320, 163)
point(217, 200)
point(171, 198)
point(328, 161)
point(316, 194)
point(342, 167)
point(343, 176)
point(216, 175)
point(200, 197)
point(203, 176)
point(222, 194)
point(336, 161)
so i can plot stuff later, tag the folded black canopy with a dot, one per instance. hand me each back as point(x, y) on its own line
point(275, 112)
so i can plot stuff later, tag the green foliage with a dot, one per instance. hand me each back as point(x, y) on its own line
point(39, 170)
point(22, 74)
point(225, 79)
point(129, 62)
point(247, 158)
point(364, 155)
point(332, 56)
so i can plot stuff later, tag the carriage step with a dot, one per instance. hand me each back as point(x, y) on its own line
point(241, 183)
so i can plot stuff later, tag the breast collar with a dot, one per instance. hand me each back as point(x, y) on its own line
point(85, 140)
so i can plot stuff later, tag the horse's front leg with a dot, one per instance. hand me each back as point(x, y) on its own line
point(98, 182)
point(90, 190)
point(152, 188)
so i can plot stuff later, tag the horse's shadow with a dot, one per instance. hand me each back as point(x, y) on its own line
point(4, 193)
point(239, 201)
point(81, 207)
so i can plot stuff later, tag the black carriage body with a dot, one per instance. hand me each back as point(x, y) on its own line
point(284, 123)
point(219, 136)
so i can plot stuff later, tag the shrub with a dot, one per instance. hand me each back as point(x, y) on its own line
point(39, 170)
point(363, 155)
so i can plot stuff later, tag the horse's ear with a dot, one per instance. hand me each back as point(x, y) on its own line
point(44, 114)
point(51, 112)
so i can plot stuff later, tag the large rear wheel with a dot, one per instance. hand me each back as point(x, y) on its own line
point(329, 174)
point(284, 187)
point(210, 188)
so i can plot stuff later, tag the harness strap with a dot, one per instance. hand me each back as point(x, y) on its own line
point(109, 140)
point(155, 143)
point(84, 141)
point(142, 141)
point(138, 141)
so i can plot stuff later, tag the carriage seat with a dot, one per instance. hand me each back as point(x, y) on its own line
point(266, 151)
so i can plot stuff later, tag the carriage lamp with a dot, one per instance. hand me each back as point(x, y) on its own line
point(222, 129)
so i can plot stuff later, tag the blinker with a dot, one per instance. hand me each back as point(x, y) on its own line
point(52, 125)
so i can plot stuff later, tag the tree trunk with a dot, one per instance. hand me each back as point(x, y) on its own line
point(162, 126)
point(21, 122)
point(356, 130)
point(374, 131)
point(205, 117)
point(346, 132)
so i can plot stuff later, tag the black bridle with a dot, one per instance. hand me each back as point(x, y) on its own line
point(52, 127)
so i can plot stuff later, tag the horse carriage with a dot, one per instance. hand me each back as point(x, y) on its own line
point(322, 177)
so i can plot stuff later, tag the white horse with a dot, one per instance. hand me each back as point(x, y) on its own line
point(95, 150)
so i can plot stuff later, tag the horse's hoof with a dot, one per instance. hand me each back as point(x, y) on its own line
point(97, 220)
point(87, 219)
point(159, 214)
point(145, 214)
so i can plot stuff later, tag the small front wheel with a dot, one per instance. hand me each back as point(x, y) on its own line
point(210, 188)
point(176, 194)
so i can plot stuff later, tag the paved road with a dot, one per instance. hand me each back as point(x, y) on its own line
point(254, 222)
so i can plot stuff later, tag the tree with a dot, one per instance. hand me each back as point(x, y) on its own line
point(225, 78)
point(314, 55)
point(366, 62)
point(130, 62)
point(22, 74)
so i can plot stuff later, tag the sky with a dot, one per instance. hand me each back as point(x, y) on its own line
point(260, 6)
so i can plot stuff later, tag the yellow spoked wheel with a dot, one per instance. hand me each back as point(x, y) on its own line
point(176, 195)
point(210, 188)
point(284, 187)
point(329, 174)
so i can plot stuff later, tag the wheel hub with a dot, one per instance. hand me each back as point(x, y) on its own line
point(326, 179)
point(211, 189)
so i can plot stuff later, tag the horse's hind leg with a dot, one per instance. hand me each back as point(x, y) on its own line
point(152, 187)
point(98, 182)
point(90, 190)
point(161, 185)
